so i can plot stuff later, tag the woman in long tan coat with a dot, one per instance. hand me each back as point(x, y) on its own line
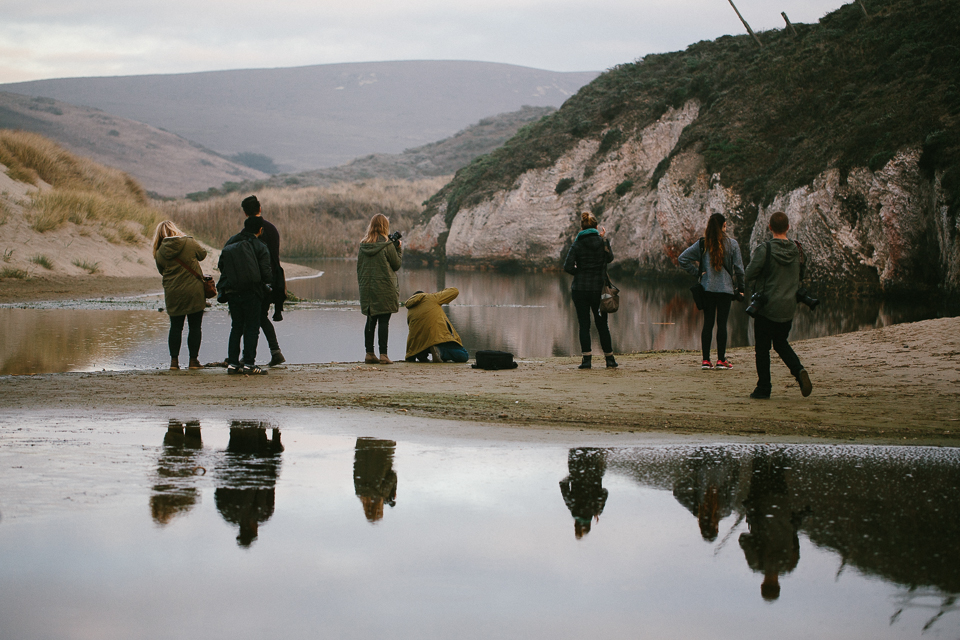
point(183, 296)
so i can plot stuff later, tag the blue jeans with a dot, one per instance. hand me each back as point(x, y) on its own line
point(245, 309)
point(451, 351)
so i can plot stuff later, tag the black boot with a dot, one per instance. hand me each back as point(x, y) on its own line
point(611, 363)
point(586, 362)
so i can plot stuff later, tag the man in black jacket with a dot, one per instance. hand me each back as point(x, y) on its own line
point(244, 278)
point(271, 238)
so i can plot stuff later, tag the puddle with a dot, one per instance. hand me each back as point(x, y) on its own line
point(354, 525)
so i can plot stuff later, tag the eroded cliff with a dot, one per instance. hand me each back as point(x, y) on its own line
point(850, 127)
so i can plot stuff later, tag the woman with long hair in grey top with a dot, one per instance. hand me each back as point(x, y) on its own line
point(715, 258)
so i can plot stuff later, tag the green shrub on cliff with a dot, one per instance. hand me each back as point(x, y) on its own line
point(846, 92)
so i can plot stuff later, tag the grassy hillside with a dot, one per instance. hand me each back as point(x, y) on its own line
point(164, 163)
point(313, 222)
point(442, 158)
point(846, 92)
point(75, 190)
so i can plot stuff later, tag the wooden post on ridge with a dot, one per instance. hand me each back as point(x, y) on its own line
point(749, 30)
point(789, 24)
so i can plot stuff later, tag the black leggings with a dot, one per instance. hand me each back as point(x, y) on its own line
point(193, 337)
point(587, 304)
point(715, 305)
point(382, 334)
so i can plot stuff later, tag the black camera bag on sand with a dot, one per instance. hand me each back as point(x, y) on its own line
point(494, 360)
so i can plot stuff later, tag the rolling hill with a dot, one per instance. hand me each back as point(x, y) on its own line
point(317, 116)
point(163, 162)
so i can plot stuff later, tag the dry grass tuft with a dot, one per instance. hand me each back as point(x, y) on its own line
point(43, 261)
point(10, 272)
point(83, 191)
point(313, 222)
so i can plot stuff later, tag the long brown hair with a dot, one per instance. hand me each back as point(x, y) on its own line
point(379, 226)
point(166, 229)
point(714, 237)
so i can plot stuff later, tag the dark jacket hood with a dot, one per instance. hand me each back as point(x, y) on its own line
point(171, 248)
point(371, 249)
point(785, 252)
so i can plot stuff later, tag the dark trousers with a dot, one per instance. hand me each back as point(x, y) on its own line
point(245, 311)
point(175, 339)
point(767, 332)
point(715, 306)
point(587, 303)
point(383, 321)
point(268, 331)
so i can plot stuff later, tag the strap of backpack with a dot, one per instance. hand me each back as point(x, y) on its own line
point(184, 265)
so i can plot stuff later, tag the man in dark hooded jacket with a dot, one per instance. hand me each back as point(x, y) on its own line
point(775, 271)
point(244, 278)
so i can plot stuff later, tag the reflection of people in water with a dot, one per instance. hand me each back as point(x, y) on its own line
point(374, 479)
point(772, 547)
point(707, 488)
point(173, 495)
point(582, 489)
point(247, 483)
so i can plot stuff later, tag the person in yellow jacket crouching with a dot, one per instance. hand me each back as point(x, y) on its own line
point(429, 330)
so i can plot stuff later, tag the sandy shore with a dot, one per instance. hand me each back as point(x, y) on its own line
point(896, 384)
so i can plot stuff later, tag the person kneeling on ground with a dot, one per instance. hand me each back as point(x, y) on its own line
point(429, 329)
point(244, 279)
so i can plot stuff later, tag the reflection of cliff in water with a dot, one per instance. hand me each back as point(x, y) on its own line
point(374, 480)
point(888, 512)
point(174, 492)
point(531, 313)
point(53, 340)
point(247, 478)
point(582, 489)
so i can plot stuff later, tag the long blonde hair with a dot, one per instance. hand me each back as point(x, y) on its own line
point(165, 229)
point(379, 226)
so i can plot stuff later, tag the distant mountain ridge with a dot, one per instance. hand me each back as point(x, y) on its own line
point(442, 158)
point(318, 116)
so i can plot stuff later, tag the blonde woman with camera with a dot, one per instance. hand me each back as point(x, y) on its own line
point(378, 261)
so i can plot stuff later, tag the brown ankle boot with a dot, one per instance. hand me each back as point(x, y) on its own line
point(195, 363)
point(384, 359)
point(371, 358)
point(174, 364)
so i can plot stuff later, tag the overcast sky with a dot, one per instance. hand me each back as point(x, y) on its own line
point(68, 38)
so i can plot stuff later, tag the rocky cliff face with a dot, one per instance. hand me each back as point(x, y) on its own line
point(888, 230)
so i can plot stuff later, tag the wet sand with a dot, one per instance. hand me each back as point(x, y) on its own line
point(899, 384)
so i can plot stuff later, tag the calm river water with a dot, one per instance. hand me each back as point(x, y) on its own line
point(327, 524)
point(528, 314)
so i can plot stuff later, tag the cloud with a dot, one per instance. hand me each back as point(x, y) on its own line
point(83, 38)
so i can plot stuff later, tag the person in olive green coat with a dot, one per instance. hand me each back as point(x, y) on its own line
point(377, 264)
point(182, 290)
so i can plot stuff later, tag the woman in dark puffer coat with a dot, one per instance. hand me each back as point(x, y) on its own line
point(587, 263)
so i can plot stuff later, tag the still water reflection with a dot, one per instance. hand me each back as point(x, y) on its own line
point(730, 541)
point(528, 314)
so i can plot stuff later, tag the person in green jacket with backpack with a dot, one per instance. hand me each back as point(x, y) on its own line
point(378, 261)
point(775, 272)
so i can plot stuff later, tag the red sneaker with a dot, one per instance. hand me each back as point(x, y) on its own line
point(723, 364)
point(706, 365)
